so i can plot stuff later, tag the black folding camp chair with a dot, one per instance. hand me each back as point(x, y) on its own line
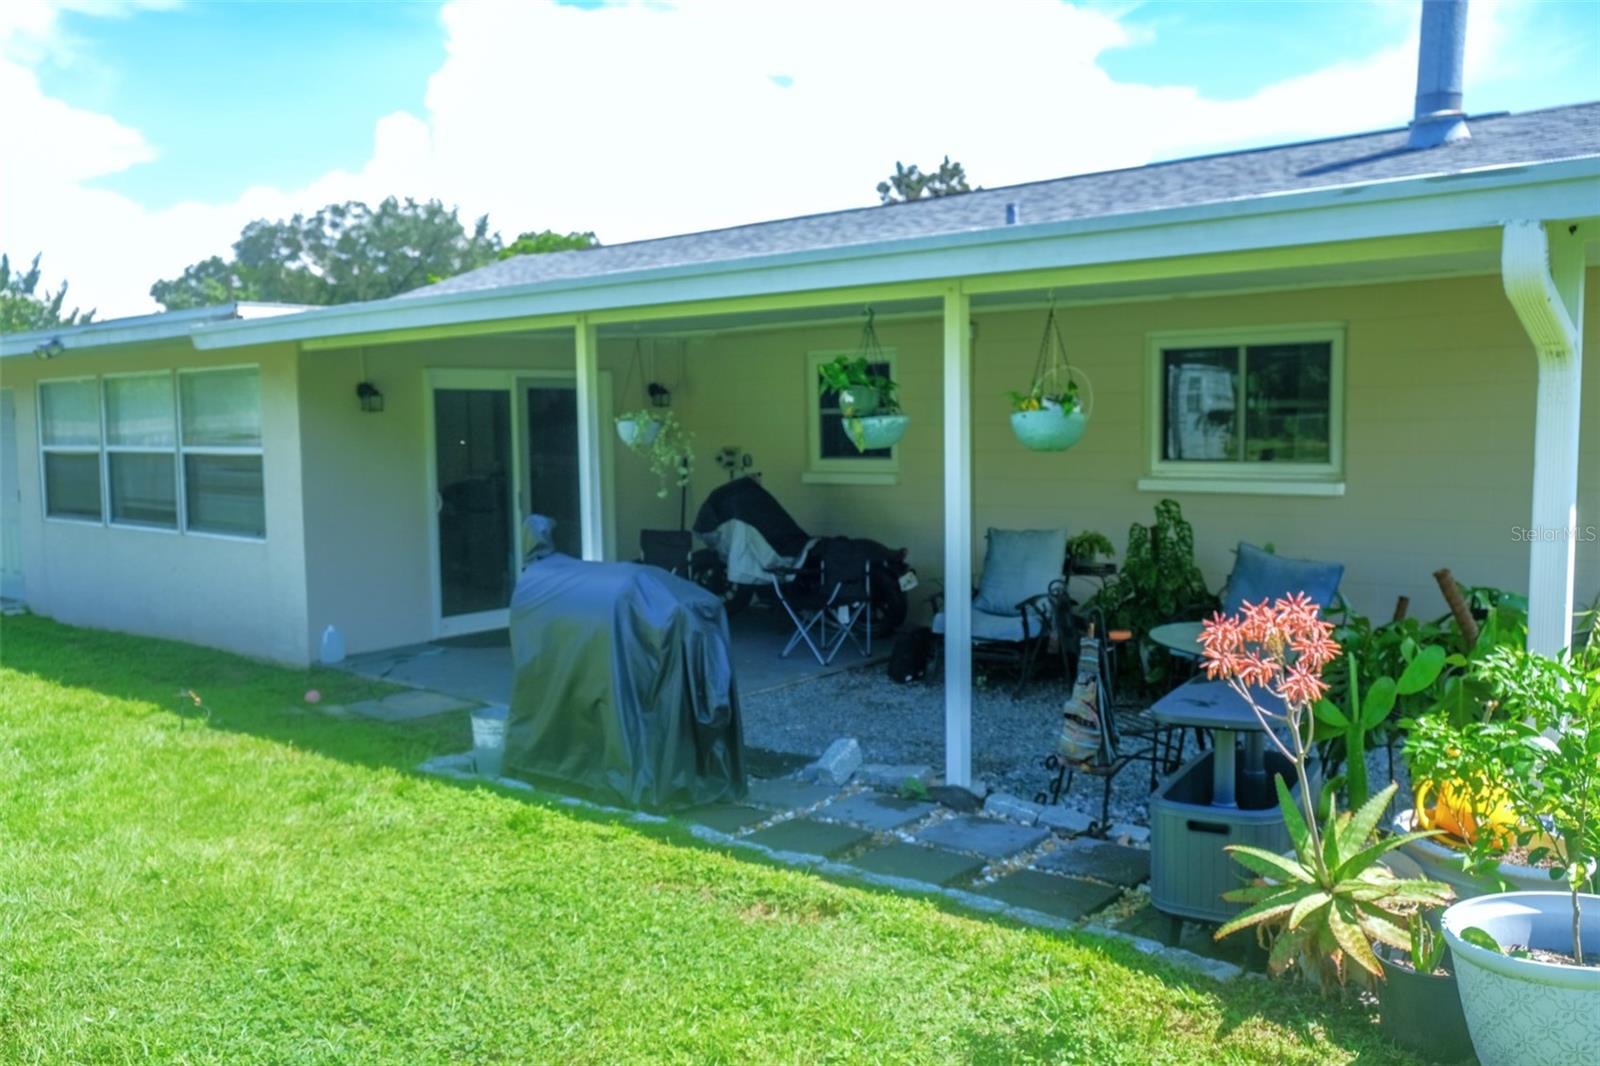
point(829, 600)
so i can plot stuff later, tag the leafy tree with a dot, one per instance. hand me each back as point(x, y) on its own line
point(342, 253)
point(22, 308)
point(549, 241)
point(910, 183)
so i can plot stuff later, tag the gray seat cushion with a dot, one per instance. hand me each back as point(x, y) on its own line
point(999, 627)
point(1260, 575)
point(1019, 563)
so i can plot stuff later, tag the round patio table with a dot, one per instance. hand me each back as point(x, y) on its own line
point(1215, 706)
point(1180, 638)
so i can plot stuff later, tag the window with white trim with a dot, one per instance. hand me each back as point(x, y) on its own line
point(832, 456)
point(141, 450)
point(1241, 406)
point(154, 451)
point(69, 445)
point(220, 441)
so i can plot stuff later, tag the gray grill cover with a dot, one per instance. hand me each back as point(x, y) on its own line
point(623, 684)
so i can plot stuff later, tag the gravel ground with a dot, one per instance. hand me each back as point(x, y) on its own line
point(905, 724)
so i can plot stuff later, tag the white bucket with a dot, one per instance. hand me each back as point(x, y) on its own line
point(489, 740)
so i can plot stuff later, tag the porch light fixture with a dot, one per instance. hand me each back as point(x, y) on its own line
point(660, 395)
point(50, 348)
point(371, 399)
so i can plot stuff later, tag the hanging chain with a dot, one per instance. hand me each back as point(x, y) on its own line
point(871, 350)
point(1052, 361)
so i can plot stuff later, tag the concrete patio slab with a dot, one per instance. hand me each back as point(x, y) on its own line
point(408, 706)
point(875, 811)
point(984, 836)
point(1099, 859)
point(1064, 897)
point(806, 837)
point(788, 794)
point(726, 817)
point(934, 866)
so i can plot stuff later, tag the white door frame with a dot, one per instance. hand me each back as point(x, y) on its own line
point(513, 382)
point(11, 573)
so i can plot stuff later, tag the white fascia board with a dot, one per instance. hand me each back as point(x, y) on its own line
point(139, 329)
point(1399, 207)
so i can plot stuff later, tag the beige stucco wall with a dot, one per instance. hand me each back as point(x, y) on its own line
point(242, 595)
point(367, 511)
point(1439, 415)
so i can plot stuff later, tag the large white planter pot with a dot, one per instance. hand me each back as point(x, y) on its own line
point(643, 431)
point(1443, 863)
point(1050, 429)
point(1520, 1011)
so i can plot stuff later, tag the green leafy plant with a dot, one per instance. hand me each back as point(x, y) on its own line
point(1365, 711)
point(1548, 744)
point(1090, 545)
point(670, 451)
point(854, 372)
point(1321, 909)
point(913, 788)
point(1158, 581)
point(1039, 398)
point(1427, 946)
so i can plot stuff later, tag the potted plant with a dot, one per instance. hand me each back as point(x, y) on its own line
point(1418, 1004)
point(657, 436)
point(1324, 905)
point(1528, 963)
point(1048, 419)
point(867, 399)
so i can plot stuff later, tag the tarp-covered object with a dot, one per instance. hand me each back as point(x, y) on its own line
point(623, 684)
point(751, 531)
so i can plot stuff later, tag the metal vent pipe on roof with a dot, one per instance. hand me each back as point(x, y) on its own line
point(1438, 118)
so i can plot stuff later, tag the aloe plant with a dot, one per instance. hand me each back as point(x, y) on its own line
point(1324, 908)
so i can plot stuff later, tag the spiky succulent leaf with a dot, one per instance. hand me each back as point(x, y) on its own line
point(1361, 860)
point(1351, 940)
point(1357, 831)
point(1268, 864)
point(1285, 949)
point(1298, 833)
point(1307, 906)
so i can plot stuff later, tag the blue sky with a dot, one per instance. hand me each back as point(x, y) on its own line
point(175, 123)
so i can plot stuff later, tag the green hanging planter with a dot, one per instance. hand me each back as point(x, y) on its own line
point(1052, 415)
point(1049, 429)
point(876, 431)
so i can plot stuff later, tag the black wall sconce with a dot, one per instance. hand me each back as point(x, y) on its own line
point(660, 396)
point(371, 399)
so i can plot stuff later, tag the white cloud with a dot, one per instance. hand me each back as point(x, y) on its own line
point(640, 121)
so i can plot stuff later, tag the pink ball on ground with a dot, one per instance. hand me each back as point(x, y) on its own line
point(313, 696)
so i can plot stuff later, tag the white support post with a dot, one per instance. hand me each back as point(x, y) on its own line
point(591, 492)
point(957, 537)
point(1542, 269)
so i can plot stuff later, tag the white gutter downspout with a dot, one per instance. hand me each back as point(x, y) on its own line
point(1542, 268)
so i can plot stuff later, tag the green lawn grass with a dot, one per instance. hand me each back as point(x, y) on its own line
point(241, 880)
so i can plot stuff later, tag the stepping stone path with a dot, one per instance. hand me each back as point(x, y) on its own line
point(933, 866)
point(876, 811)
point(727, 817)
point(787, 794)
point(1064, 897)
point(809, 838)
point(988, 837)
point(1102, 860)
point(408, 706)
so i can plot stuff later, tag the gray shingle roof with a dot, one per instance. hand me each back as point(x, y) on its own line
point(1497, 140)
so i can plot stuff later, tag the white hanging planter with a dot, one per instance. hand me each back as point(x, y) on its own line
point(638, 431)
point(876, 431)
point(1052, 415)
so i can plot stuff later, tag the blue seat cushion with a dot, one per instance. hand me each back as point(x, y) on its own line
point(1260, 575)
point(998, 627)
point(1019, 563)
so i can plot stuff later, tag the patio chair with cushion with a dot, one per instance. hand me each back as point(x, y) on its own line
point(1262, 575)
point(1020, 609)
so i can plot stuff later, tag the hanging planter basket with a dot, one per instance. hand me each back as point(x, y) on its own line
point(876, 431)
point(1053, 414)
point(638, 431)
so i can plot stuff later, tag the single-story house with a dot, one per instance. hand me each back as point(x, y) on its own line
point(1400, 325)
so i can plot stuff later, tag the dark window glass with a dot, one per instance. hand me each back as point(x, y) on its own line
point(143, 489)
point(72, 485)
point(223, 494)
point(1288, 390)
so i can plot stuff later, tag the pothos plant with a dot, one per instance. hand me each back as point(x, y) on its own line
point(1323, 908)
point(670, 451)
point(855, 372)
point(1043, 398)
